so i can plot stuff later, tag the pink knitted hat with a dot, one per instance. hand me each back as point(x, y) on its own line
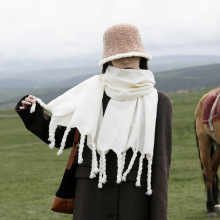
point(122, 40)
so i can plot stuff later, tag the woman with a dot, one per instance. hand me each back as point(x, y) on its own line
point(126, 133)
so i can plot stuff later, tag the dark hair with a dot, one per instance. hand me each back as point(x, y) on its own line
point(143, 65)
point(104, 67)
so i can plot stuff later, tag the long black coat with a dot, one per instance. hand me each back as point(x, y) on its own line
point(115, 201)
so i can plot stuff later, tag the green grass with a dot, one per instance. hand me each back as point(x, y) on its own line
point(186, 188)
point(31, 173)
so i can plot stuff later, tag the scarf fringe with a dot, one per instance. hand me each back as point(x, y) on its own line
point(81, 146)
point(41, 103)
point(119, 174)
point(52, 125)
point(101, 171)
point(104, 176)
point(63, 141)
point(130, 165)
point(94, 169)
point(52, 130)
point(121, 162)
point(149, 170)
point(102, 162)
point(138, 182)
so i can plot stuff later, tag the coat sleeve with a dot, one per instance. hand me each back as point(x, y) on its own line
point(161, 159)
point(38, 123)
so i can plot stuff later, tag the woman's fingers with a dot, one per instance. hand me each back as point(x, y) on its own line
point(23, 107)
point(27, 102)
point(31, 97)
point(24, 102)
point(30, 100)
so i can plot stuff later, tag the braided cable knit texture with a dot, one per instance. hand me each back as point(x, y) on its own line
point(52, 129)
point(63, 141)
point(100, 173)
point(104, 177)
point(138, 182)
point(94, 168)
point(81, 146)
point(130, 165)
point(119, 173)
point(123, 160)
point(149, 190)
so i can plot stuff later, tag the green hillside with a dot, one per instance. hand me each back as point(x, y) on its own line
point(31, 172)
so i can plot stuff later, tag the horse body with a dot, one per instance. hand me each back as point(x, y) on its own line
point(209, 152)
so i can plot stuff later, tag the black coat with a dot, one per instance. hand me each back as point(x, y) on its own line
point(115, 201)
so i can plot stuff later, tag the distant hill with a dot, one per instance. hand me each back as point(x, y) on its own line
point(46, 78)
point(172, 62)
point(157, 64)
point(188, 78)
point(66, 76)
point(168, 81)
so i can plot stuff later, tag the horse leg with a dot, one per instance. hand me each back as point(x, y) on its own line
point(205, 145)
point(215, 166)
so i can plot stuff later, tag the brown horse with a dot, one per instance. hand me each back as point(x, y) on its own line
point(208, 143)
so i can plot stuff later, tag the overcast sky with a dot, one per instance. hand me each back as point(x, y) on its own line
point(51, 29)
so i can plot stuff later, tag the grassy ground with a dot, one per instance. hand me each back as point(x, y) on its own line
point(30, 172)
point(186, 189)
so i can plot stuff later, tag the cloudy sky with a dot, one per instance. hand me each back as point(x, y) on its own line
point(54, 29)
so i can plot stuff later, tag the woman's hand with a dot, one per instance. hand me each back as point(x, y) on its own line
point(28, 101)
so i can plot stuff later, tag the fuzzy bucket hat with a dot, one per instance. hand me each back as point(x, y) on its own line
point(122, 40)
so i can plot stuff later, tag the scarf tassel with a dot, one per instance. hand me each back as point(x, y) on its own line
point(138, 182)
point(104, 176)
point(119, 173)
point(81, 146)
point(63, 141)
point(102, 170)
point(123, 161)
point(52, 125)
point(149, 170)
point(41, 103)
point(52, 130)
point(94, 169)
point(130, 165)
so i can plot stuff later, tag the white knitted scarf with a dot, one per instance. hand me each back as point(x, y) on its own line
point(129, 120)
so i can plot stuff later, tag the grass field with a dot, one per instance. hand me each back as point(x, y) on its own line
point(30, 172)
